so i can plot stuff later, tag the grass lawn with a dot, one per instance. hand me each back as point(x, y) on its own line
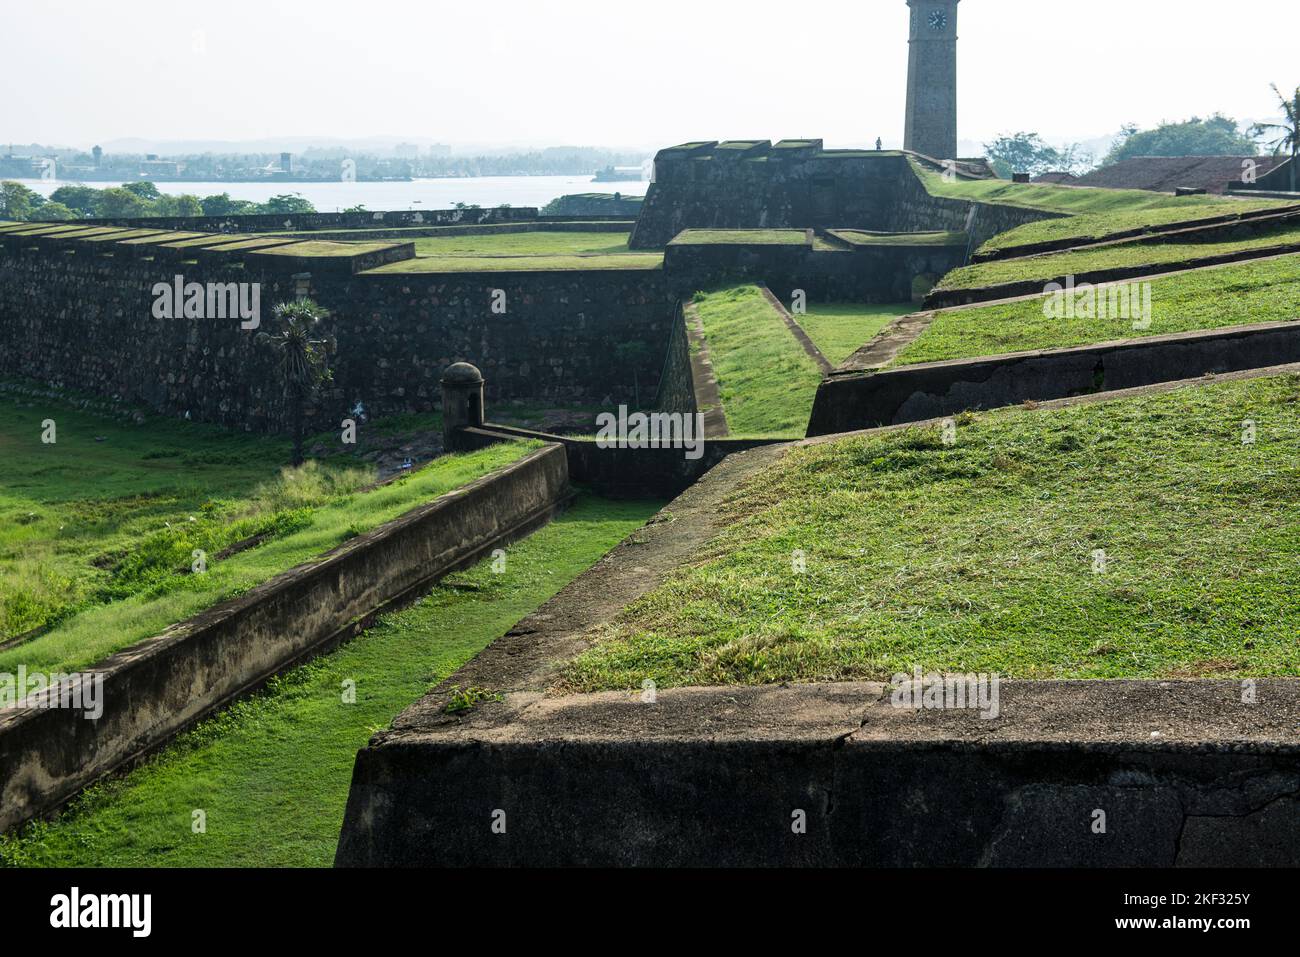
point(97, 536)
point(766, 379)
point(983, 556)
point(1054, 265)
point(840, 329)
point(523, 244)
point(72, 510)
point(272, 772)
point(1264, 291)
point(327, 250)
point(513, 252)
point(457, 264)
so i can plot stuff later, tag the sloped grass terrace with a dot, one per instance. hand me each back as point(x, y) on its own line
point(1155, 255)
point(1091, 212)
point(766, 379)
point(1134, 538)
point(1263, 291)
point(1075, 200)
point(1093, 227)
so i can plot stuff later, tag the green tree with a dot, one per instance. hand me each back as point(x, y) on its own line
point(53, 212)
point(221, 204)
point(1217, 136)
point(1027, 153)
point(183, 205)
point(115, 203)
point(1284, 137)
point(303, 361)
point(17, 202)
point(144, 189)
point(78, 198)
point(287, 203)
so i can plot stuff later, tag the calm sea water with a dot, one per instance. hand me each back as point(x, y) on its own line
point(418, 194)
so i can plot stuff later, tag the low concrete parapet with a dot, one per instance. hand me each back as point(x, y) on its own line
point(658, 470)
point(158, 687)
point(1069, 774)
point(910, 393)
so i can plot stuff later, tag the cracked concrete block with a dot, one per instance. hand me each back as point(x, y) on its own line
point(1252, 839)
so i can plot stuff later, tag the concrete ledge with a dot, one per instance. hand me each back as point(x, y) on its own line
point(1185, 773)
point(158, 687)
point(910, 393)
point(657, 471)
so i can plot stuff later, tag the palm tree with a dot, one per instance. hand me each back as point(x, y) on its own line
point(1285, 135)
point(304, 361)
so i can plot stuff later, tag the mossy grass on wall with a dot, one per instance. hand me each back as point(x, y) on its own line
point(463, 264)
point(272, 773)
point(1149, 537)
point(766, 379)
point(741, 237)
point(523, 244)
point(1263, 291)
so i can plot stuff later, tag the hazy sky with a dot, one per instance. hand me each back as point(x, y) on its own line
point(619, 73)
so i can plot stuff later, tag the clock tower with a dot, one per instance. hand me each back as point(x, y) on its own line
point(931, 126)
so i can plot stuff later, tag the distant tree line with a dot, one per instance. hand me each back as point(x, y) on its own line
point(130, 200)
point(1217, 135)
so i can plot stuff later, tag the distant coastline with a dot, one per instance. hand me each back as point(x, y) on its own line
point(423, 193)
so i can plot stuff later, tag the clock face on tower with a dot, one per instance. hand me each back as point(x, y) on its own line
point(938, 20)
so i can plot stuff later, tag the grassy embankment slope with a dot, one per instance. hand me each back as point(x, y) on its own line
point(1264, 291)
point(1092, 213)
point(272, 773)
point(840, 329)
point(98, 530)
point(982, 556)
point(1153, 255)
point(766, 379)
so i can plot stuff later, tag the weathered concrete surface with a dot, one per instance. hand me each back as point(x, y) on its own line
point(161, 685)
point(1184, 772)
point(658, 471)
point(852, 401)
point(708, 396)
point(888, 343)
